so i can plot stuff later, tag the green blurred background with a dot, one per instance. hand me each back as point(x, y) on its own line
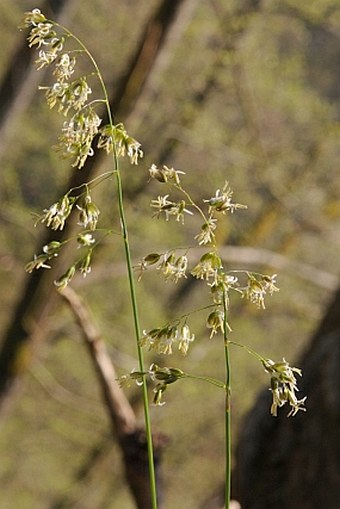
point(244, 91)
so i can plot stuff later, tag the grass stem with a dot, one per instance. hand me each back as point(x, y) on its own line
point(227, 409)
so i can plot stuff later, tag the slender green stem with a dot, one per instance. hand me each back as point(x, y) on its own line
point(124, 229)
point(193, 204)
point(93, 182)
point(212, 381)
point(133, 296)
point(227, 409)
point(153, 487)
point(249, 350)
point(185, 315)
point(191, 201)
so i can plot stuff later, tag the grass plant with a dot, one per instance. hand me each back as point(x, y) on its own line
point(82, 133)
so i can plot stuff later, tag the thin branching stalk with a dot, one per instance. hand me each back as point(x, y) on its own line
point(227, 408)
point(208, 379)
point(248, 350)
point(192, 203)
point(132, 289)
point(153, 487)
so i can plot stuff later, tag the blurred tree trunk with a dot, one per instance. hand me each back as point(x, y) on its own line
point(295, 463)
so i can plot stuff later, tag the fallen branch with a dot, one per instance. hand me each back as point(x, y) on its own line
point(131, 438)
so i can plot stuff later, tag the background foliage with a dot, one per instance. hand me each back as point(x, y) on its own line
point(248, 95)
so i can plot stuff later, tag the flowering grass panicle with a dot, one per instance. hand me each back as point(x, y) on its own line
point(70, 94)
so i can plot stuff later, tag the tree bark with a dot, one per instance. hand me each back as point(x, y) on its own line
point(289, 463)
